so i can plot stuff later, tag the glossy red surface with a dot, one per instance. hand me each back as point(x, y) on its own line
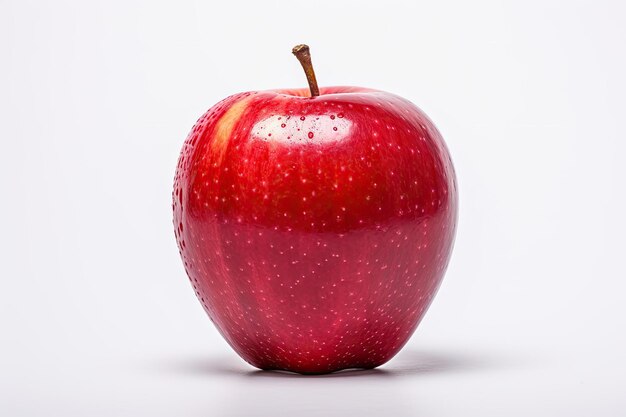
point(315, 231)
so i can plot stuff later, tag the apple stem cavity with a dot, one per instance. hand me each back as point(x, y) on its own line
point(304, 56)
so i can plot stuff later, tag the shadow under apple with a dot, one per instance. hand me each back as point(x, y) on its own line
point(406, 363)
point(391, 390)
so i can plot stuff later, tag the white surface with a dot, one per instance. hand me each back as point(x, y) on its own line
point(96, 315)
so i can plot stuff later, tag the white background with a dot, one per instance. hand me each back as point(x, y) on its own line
point(96, 315)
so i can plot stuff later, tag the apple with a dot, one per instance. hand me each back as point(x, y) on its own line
point(315, 225)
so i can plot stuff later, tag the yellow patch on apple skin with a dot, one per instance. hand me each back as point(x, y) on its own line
point(224, 128)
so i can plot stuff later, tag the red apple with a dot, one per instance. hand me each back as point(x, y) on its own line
point(316, 229)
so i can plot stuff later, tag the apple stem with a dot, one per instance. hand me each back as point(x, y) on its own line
point(304, 56)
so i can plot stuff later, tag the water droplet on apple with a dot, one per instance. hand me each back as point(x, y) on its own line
point(302, 118)
point(310, 135)
point(332, 117)
point(340, 115)
point(282, 125)
point(335, 128)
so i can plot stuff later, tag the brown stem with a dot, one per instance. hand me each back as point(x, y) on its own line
point(304, 56)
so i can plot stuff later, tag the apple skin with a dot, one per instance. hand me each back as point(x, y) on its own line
point(315, 230)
